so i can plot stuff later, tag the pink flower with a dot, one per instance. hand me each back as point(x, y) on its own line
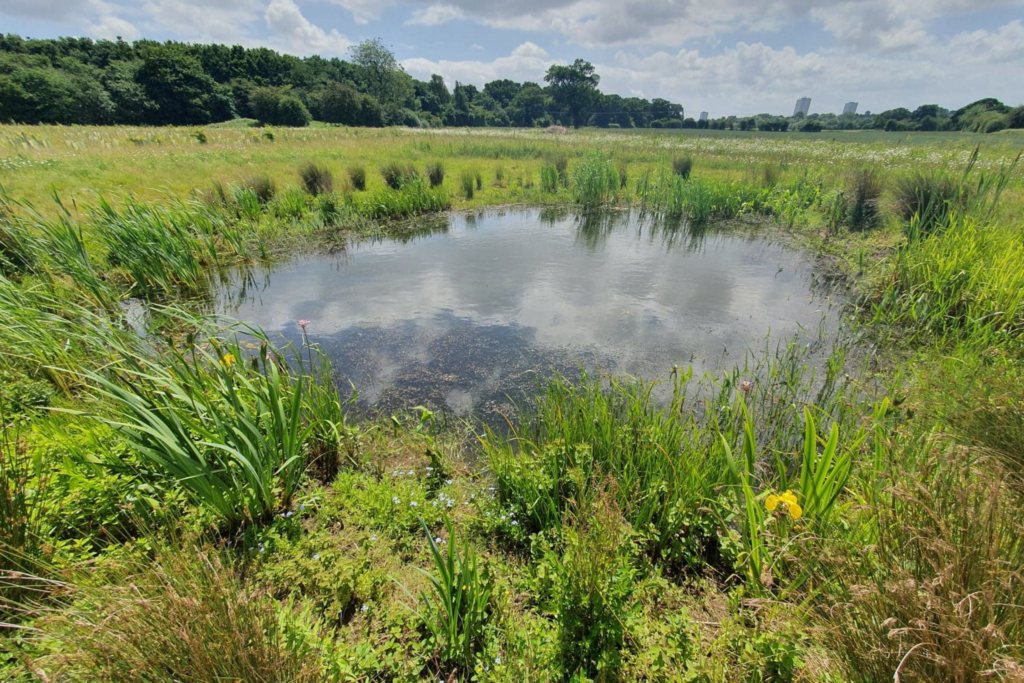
point(746, 385)
point(302, 323)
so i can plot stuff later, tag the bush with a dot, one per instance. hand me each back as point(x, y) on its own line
point(316, 179)
point(357, 174)
point(435, 173)
point(396, 175)
point(274, 106)
point(467, 184)
point(682, 166)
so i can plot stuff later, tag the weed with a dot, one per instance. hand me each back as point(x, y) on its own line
point(549, 178)
point(864, 211)
point(262, 187)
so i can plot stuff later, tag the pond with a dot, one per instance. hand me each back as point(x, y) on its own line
point(475, 312)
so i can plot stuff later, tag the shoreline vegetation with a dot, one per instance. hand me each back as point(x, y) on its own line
point(194, 503)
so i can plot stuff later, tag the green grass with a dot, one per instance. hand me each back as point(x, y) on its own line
point(189, 504)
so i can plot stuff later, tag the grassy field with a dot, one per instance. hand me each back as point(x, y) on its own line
point(183, 505)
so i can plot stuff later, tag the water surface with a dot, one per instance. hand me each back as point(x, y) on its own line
point(486, 306)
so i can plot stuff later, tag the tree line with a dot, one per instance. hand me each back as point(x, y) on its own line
point(85, 81)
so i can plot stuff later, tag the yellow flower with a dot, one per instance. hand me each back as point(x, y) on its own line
point(228, 359)
point(788, 500)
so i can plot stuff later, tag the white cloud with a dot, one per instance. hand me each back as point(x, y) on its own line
point(434, 15)
point(298, 34)
point(527, 62)
point(363, 11)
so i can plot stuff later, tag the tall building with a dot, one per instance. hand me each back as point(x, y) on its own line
point(703, 116)
point(803, 105)
point(850, 108)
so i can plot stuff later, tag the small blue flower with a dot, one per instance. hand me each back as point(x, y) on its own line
point(316, 556)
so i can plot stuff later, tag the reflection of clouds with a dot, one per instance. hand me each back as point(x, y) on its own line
point(619, 293)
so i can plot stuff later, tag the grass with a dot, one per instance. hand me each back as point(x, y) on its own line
point(194, 504)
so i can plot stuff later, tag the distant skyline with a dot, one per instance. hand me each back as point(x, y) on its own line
point(739, 57)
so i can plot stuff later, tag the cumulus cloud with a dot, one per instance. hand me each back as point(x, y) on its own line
point(527, 62)
point(298, 34)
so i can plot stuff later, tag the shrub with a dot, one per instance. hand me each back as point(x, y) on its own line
point(396, 175)
point(184, 617)
point(682, 166)
point(863, 210)
point(316, 179)
point(357, 174)
point(435, 173)
point(467, 184)
point(277, 107)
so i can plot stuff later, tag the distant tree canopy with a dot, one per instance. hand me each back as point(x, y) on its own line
point(82, 81)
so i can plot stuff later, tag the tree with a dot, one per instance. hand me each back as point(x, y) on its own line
point(383, 76)
point(181, 92)
point(502, 91)
point(574, 89)
point(528, 105)
point(277, 107)
point(338, 103)
point(439, 90)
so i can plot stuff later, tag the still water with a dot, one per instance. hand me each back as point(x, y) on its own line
point(473, 314)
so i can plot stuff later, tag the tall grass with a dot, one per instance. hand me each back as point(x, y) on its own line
point(960, 283)
point(595, 181)
point(932, 588)
point(928, 200)
point(263, 187)
point(184, 617)
point(414, 198)
point(864, 204)
point(549, 178)
point(582, 433)
point(435, 173)
point(397, 175)
point(357, 174)
point(467, 184)
point(316, 178)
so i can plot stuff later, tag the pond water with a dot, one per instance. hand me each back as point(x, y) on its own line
point(481, 308)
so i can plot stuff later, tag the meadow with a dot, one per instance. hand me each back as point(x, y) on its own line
point(195, 503)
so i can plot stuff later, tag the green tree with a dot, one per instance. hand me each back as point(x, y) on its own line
point(574, 89)
point(277, 107)
point(502, 91)
point(384, 77)
point(528, 105)
point(181, 92)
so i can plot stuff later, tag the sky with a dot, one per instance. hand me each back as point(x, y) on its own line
point(726, 57)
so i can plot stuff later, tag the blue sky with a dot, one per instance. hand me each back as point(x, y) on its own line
point(726, 56)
